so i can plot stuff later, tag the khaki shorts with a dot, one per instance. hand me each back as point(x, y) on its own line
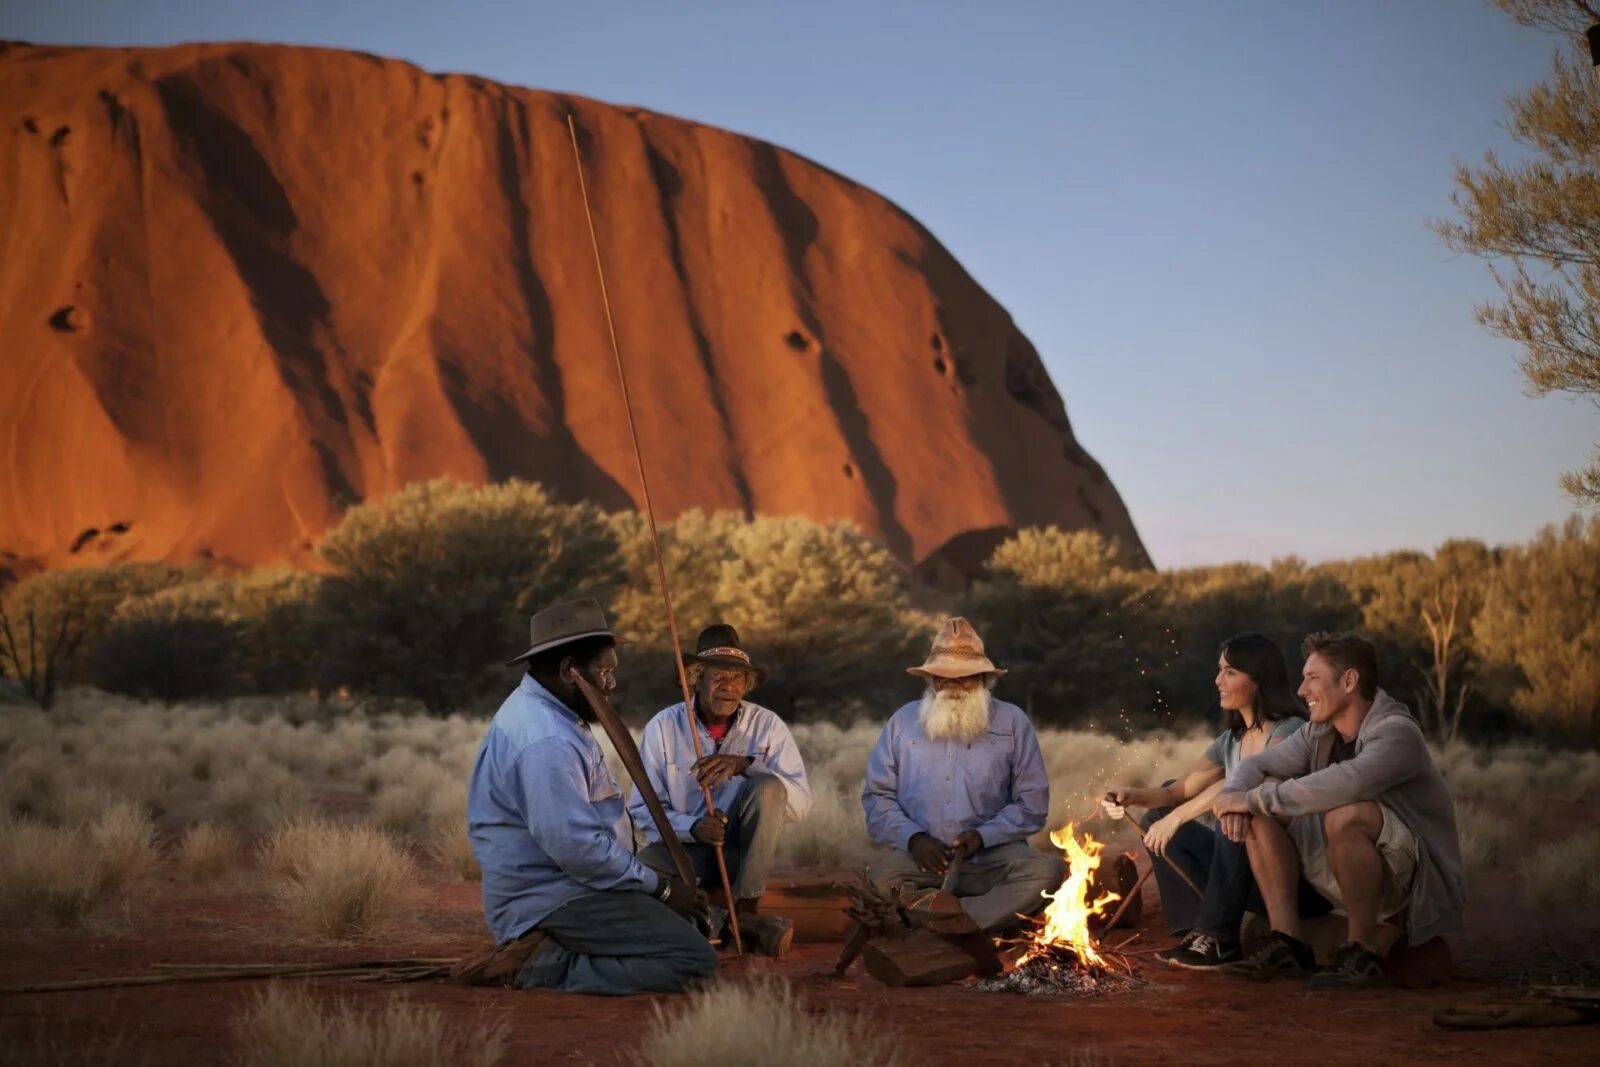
point(1397, 846)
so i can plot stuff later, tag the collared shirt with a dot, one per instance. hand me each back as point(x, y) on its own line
point(545, 815)
point(996, 785)
point(668, 754)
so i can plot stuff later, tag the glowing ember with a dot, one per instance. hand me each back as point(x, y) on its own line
point(1066, 920)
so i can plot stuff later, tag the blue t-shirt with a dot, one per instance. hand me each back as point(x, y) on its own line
point(1224, 751)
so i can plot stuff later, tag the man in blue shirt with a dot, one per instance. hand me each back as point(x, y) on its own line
point(752, 767)
point(960, 772)
point(564, 896)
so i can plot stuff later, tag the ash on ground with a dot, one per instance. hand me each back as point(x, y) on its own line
point(1043, 976)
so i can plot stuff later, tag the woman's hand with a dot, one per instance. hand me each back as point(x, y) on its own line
point(1159, 836)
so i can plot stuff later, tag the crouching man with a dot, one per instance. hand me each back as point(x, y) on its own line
point(569, 905)
point(960, 773)
point(753, 769)
point(1354, 802)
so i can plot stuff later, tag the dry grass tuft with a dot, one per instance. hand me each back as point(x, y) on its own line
point(287, 1028)
point(761, 1023)
point(65, 871)
point(1565, 875)
point(340, 881)
point(207, 850)
point(447, 836)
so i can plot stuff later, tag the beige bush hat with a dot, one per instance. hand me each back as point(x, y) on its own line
point(957, 653)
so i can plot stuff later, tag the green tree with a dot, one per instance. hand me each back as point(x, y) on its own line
point(1072, 620)
point(50, 619)
point(821, 605)
point(1539, 615)
point(1540, 217)
point(432, 586)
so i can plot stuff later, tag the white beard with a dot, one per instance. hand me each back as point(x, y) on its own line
point(955, 715)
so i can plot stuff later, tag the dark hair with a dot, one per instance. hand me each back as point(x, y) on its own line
point(1261, 660)
point(1347, 652)
point(583, 651)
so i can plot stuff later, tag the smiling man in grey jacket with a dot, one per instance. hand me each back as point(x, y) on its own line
point(1353, 802)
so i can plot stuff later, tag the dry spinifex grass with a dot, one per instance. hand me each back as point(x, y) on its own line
point(285, 1027)
point(207, 850)
point(65, 871)
point(340, 881)
point(760, 1023)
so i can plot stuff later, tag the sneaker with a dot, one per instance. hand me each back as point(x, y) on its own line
point(1282, 955)
point(1205, 953)
point(1354, 966)
point(1185, 943)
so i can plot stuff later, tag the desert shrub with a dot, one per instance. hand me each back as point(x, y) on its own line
point(168, 647)
point(760, 1023)
point(340, 881)
point(66, 871)
point(1565, 874)
point(431, 586)
point(1539, 618)
point(206, 850)
point(822, 605)
point(49, 620)
point(287, 1027)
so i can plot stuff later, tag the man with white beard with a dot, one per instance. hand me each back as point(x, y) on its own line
point(960, 772)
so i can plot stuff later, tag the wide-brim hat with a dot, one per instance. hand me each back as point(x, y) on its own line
point(957, 653)
point(564, 623)
point(718, 646)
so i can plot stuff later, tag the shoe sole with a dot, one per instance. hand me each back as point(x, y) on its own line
point(1183, 966)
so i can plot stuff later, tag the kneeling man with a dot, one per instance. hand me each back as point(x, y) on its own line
point(753, 769)
point(1354, 802)
point(570, 906)
point(961, 773)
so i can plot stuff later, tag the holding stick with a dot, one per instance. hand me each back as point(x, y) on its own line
point(655, 540)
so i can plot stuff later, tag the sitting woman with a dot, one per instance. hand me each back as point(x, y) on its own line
point(1253, 687)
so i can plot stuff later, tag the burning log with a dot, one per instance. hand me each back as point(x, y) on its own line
point(1061, 956)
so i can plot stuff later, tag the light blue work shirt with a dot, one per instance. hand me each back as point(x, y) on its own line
point(668, 755)
point(996, 785)
point(545, 815)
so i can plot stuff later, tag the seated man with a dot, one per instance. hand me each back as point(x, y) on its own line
point(754, 772)
point(959, 772)
point(562, 893)
point(1353, 800)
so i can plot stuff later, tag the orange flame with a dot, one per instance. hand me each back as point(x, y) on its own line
point(1067, 917)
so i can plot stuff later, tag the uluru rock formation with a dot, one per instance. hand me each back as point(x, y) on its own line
point(244, 286)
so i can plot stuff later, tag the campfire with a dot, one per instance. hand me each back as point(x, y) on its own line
point(1060, 952)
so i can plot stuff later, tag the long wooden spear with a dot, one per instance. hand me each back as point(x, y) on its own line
point(655, 539)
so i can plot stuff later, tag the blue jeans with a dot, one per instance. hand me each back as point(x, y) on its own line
point(750, 845)
point(1222, 868)
point(615, 944)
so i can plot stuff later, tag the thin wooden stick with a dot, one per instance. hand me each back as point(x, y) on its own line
point(655, 540)
point(1179, 871)
point(1132, 893)
point(183, 978)
point(332, 964)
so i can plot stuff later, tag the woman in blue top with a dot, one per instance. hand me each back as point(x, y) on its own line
point(1253, 688)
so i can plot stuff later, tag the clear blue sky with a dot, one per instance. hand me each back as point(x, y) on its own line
point(1211, 218)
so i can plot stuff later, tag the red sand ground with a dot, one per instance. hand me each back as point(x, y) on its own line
point(1177, 1018)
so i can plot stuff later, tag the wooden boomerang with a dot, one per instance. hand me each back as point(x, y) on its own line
point(622, 740)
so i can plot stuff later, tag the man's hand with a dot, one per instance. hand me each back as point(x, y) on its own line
point(929, 853)
point(1160, 834)
point(712, 771)
point(1236, 826)
point(710, 829)
point(966, 843)
point(687, 900)
point(1230, 803)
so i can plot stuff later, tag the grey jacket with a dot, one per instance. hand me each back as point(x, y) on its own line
point(1393, 766)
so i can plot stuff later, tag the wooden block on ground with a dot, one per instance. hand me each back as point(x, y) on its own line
point(816, 908)
point(1117, 874)
point(921, 958)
